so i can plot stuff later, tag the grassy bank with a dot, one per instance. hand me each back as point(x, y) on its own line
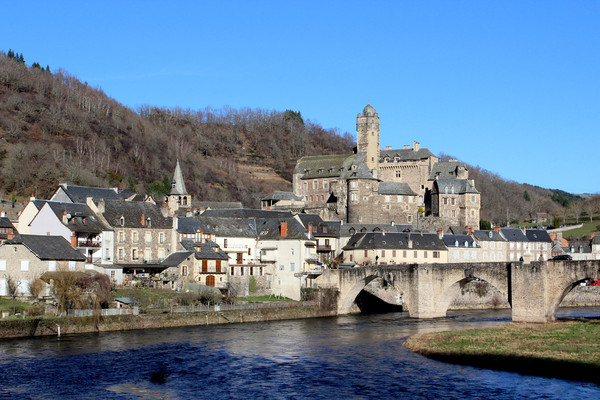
point(568, 349)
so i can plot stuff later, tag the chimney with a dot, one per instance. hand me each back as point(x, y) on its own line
point(406, 147)
point(524, 230)
point(393, 223)
point(3, 214)
point(440, 233)
point(283, 229)
point(497, 228)
point(143, 220)
point(310, 231)
point(410, 244)
point(73, 240)
point(10, 235)
point(469, 229)
point(65, 217)
point(416, 146)
point(388, 147)
point(32, 198)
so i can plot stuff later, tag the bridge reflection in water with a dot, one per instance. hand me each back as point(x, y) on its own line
point(534, 290)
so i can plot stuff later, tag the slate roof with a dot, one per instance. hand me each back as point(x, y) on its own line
point(5, 223)
point(333, 229)
point(579, 247)
point(361, 172)
point(282, 196)
point(79, 194)
point(395, 240)
point(395, 188)
point(537, 235)
point(484, 236)
point(445, 170)
point(360, 227)
point(405, 154)
point(191, 225)
point(307, 219)
point(514, 235)
point(269, 229)
point(247, 213)
point(324, 166)
point(177, 184)
point(230, 227)
point(460, 186)
point(132, 212)
point(453, 240)
point(48, 247)
point(176, 258)
point(81, 217)
point(207, 251)
point(217, 205)
point(596, 239)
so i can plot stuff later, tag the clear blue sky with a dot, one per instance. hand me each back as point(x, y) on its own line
point(513, 87)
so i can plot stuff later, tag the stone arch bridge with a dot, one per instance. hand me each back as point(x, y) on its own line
point(534, 290)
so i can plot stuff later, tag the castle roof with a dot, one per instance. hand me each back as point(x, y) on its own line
point(405, 154)
point(454, 186)
point(446, 170)
point(361, 172)
point(246, 213)
point(369, 111)
point(326, 166)
point(395, 188)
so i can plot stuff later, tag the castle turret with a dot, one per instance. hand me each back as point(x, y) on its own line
point(367, 136)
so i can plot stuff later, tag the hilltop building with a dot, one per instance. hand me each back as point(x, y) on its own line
point(381, 186)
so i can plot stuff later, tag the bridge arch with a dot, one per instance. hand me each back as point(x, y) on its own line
point(349, 296)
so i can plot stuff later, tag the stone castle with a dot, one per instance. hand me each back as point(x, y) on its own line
point(381, 186)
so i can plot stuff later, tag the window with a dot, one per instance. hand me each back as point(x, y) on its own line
point(3, 265)
point(366, 253)
point(325, 185)
point(404, 253)
point(393, 253)
point(147, 255)
point(161, 238)
point(148, 237)
point(121, 236)
point(24, 265)
point(436, 254)
point(398, 173)
point(134, 236)
point(445, 200)
point(492, 245)
point(387, 199)
point(410, 218)
point(354, 197)
point(473, 199)
point(420, 200)
point(305, 187)
point(415, 254)
point(218, 267)
point(474, 255)
point(453, 213)
point(410, 199)
point(71, 265)
point(400, 199)
point(351, 257)
point(382, 253)
point(353, 184)
point(161, 254)
point(315, 184)
point(453, 201)
point(292, 266)
point(134, 254)
point(52, 265)
point(225, 243)
point(120, 254)
point(281, 267)
point(424, 254)
point(113, 275)
point(292, 251)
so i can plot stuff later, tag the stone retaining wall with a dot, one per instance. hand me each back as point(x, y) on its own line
point(49, 326)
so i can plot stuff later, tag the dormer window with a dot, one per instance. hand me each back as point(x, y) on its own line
point(446, 189)
point(148, 222)
point(456, 243)
point(466, 243)
point(490, 234)
point(122, 221)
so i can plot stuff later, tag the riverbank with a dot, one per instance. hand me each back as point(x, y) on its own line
point(566, 349)
point(44, 326)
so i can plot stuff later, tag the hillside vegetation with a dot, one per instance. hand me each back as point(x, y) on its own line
point(55, 128)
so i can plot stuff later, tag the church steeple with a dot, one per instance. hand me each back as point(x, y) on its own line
point(177, 184)
point(178, 196)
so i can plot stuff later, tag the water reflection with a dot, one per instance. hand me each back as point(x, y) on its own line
point(343, 357)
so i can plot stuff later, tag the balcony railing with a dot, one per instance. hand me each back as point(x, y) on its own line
point(88, 243)
point(323, 247)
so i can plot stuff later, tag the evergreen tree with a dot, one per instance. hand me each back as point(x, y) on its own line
point(10, 54)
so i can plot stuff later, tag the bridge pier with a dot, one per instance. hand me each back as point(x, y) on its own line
point(422, 299)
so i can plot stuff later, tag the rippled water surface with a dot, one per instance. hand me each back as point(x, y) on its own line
point(349, 357)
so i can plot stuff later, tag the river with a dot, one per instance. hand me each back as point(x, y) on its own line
point(346, 357)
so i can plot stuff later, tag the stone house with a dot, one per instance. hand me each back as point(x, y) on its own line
point(395, 248)
point(540, 244)
point(26, 257)
point(462, 249)
point(7, 229)
point(494, 246)
point(137, 237)
point(76, 222)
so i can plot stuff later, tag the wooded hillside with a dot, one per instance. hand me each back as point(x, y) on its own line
point(55, 128)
